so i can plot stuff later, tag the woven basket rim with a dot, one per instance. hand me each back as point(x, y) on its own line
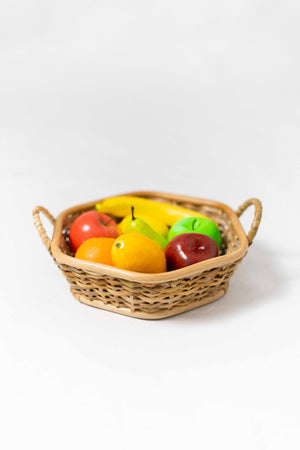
point(187, 272)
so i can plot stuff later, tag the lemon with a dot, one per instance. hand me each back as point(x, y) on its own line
point(138, 253)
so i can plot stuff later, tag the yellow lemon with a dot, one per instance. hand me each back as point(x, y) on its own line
point(138, 253)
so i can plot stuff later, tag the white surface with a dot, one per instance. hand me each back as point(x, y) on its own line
point(199, 98)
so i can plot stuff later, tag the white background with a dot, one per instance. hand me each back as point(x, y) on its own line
point(103, 97)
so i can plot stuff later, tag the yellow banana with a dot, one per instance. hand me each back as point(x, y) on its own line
point(120, 206)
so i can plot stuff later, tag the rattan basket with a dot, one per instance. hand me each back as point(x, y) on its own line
point(152, 296)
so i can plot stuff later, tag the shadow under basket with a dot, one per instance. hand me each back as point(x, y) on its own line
point(152, 296)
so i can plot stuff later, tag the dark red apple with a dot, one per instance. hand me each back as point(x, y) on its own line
point(89, 225)
point(189, 248)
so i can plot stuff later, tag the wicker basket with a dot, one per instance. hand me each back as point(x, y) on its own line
point(152, 296)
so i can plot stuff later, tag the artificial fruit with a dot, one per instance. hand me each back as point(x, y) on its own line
point(137, 225)
point(189, 248)
point(138, 253)
point(89, 225)
point(196, 225)
point(167, 213)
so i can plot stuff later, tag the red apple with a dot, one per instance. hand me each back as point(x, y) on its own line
point(189, 248)
point(89, 225)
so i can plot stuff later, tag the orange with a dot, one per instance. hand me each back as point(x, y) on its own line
point(96, 250)
point(136, 252)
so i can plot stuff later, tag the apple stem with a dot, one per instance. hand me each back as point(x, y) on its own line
point(132, 213)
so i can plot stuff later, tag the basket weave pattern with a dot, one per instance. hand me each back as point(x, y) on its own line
point(152, 298)
point(160, 297)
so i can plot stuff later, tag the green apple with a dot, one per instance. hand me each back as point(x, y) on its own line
point(196, 225)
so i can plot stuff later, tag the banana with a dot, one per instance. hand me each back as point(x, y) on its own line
point(120, 206)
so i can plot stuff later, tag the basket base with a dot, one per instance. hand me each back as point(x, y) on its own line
point(144, 315)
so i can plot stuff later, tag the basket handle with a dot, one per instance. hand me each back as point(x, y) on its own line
point(256, 219)
point(39, 226)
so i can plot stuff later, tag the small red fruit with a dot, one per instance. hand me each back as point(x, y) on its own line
point(189, 248)
point(91, 224)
